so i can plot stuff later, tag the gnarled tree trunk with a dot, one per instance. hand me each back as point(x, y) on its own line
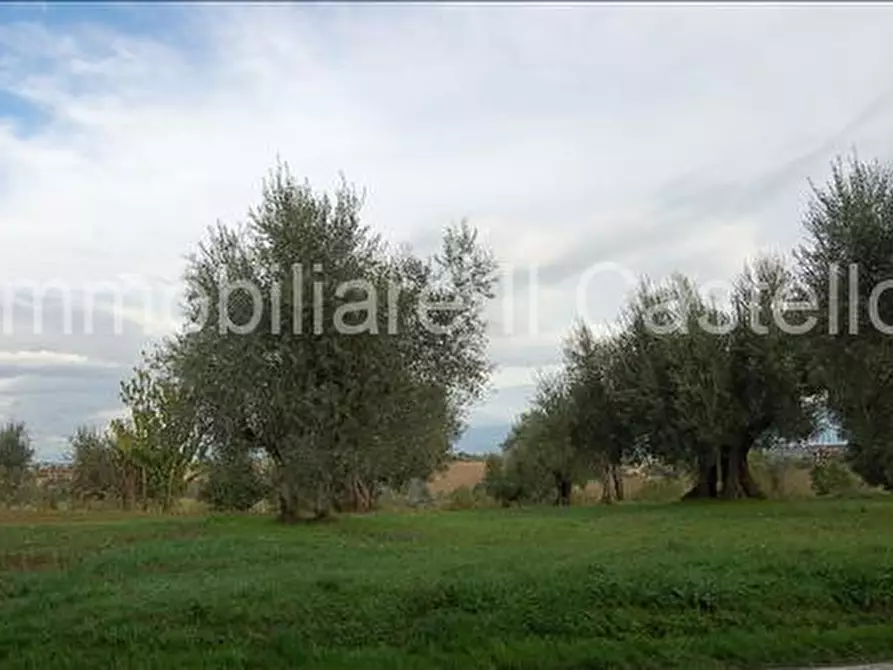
point(564, 487)
point(707, 485)
point(737, 482)
point(361, 497)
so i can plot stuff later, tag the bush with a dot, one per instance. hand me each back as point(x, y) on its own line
point(468, 498)
point(94, 471)
point(234, 482)
point(781, 476)
point(418, 494)
point(414, 496)
point(831, 477)
point(873, 462)
point(662, 489)
point(499, 483)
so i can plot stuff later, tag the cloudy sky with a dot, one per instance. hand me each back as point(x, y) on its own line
point(587, 143)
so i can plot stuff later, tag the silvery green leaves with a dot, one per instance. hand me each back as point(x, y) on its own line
point(349, 364)
point(847, 263)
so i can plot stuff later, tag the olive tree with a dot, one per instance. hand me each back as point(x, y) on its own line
point(847, 263)
point(16, 455)
point(349, 364)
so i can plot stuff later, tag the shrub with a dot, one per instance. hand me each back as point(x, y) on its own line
point(499, 483)
point(662, 489)
point(415, 495)
point(468, 498)
point(418, 494)
point(781, 476)
point(831, 476)
point(234, 482)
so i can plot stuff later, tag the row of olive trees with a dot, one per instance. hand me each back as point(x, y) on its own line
point(699, 385)
point(664, 387)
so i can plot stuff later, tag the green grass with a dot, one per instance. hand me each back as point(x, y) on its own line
point(634, 586)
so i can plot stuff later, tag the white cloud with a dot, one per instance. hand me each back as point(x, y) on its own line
point(41, 358)
point(657, 138)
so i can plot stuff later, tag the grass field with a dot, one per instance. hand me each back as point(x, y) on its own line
point(632, 586)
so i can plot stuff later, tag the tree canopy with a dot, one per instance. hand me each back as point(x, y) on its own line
point(350, 364)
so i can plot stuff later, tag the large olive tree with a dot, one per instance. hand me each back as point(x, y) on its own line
point(349, 364)
point(847, 262)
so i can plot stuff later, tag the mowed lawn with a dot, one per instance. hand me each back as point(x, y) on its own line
point(631, 586)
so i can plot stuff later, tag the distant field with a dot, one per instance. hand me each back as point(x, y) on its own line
point(630, 586)
point(459, 473)
point(471, 473)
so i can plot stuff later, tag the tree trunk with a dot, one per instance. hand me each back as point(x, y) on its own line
point(167, 503)
point(617, 476)
point(737, 482)
point(289, 504)
point(322, 508)
point(366, 496)
point(564, 487)
point(145, 489)
point(128, 491)
point(607, 484)
point(707, 485)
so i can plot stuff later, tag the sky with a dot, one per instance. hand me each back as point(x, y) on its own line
point(589, 144)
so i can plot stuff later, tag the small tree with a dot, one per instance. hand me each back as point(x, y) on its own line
point(166, 430)
point(602, 426)
point(16, 455)
point(94, 471)
point(500, 483)
point(541, 460)
point(129, 461)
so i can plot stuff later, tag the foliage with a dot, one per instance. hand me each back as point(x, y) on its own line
point(340, 374)
point(847, 261)
point(714, 384)
point(498, 482)
point(540, 460)
point(782, 476)
point(467, 497)
point(95, 473)
point(602, 425)
point(682, 381)
point(831, 477)
point(16, 455)
point(234, 480)
point(661, 489)
point(167, 436)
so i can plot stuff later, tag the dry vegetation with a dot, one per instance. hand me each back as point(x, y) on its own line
point(457, 475)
